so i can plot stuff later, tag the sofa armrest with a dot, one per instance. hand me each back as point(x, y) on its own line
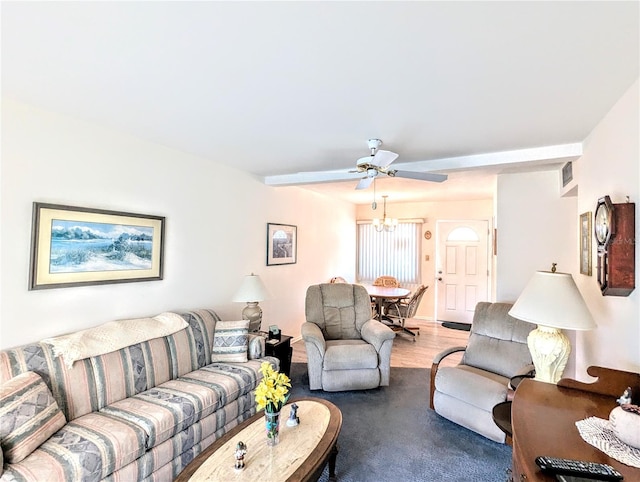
point(257, 347)
point(436, 364)
point(376, 333)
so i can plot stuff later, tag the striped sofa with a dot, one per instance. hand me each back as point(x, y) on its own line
point(140, 413)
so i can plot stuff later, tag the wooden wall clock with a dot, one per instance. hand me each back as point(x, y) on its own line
point(614, 226)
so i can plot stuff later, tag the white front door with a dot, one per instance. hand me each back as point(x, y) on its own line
point(462, 270)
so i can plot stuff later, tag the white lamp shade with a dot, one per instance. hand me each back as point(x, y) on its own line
point(553, 300)
point(251, 289)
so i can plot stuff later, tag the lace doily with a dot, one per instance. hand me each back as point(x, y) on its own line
point(597, 432)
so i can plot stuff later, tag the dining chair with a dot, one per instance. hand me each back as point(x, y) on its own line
point(402, 310)
point(388, 281)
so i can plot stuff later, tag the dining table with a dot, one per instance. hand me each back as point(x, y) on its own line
point(380, 294)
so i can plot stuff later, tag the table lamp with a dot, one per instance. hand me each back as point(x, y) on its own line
point(553, 302)
point(252, 290)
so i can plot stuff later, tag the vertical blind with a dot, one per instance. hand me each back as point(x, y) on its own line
point(389, 254)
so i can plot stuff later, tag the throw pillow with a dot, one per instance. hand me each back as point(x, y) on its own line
point(230, 341)
point(29, 415)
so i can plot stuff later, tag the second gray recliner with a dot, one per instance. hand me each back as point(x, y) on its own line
point(497, 350)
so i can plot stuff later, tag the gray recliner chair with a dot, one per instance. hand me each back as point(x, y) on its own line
point(497, 351)
point(346, 348)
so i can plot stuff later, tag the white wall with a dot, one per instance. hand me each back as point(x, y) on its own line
point(611, 165)
point(215, 227)
point(431, 212)
point(536, 226)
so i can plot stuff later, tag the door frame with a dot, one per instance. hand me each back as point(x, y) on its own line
point(489, 254)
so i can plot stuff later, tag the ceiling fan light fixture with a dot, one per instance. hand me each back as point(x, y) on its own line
point(386, 224)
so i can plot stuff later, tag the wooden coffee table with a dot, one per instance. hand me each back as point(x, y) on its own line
point(301, 454)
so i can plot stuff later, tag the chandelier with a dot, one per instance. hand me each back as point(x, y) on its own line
point(385, 224)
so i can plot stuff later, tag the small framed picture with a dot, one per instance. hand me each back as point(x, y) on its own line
point(585, 243)
point(282, 244)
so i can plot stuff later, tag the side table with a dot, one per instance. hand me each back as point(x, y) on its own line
point(281, 349)
point(502, 411)
point(502, 418)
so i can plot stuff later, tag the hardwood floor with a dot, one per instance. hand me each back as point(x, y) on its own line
point(406, 353)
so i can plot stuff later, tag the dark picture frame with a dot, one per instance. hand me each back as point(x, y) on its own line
point(76, 246)
point(282, 244)
point(585, 243)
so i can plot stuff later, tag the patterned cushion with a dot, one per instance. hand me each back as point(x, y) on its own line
point(191, 348)
point(230, 341)
point(131, 370)
point(73, 389)
point(87, 449)
point(172, 407)
point(28, 416)
point(184, 446)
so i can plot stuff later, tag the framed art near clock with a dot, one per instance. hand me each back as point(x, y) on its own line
point(282, 244)
point(585, 243)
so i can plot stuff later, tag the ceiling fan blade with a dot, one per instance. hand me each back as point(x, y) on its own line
point(316, 177)
point(364, 183)
point(383, 158)
point(421, 176)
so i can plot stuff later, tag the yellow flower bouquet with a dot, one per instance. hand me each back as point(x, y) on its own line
point(271, 395)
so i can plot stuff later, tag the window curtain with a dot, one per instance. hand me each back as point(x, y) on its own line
point(392, 254)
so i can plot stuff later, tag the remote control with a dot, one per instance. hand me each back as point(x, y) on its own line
point(589, 470)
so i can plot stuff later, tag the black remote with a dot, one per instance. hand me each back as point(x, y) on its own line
point(588, 470)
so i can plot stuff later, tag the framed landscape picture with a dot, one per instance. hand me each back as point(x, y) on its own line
point(282, 244)
point(72, 246)
point(585, 243)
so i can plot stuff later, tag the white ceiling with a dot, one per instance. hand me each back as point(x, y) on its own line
point(277, 88)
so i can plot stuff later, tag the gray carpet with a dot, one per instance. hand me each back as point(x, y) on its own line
point(390, 434)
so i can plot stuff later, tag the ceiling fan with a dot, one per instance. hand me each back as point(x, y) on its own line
point(371, 166)
point(378, 162)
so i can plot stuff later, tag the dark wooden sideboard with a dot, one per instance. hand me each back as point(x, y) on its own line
point(543, 417)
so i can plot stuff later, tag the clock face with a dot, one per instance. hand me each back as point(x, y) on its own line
point(602, 223)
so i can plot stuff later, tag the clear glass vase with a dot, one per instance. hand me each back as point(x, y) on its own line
point(272, 421)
